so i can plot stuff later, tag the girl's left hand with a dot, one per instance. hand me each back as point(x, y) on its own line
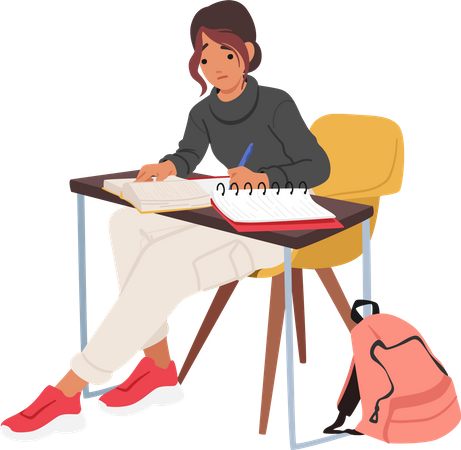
point(242, 175)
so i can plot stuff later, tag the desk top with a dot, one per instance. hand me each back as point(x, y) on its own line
point(348, 213)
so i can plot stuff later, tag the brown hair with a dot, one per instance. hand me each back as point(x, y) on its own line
point(227, 23)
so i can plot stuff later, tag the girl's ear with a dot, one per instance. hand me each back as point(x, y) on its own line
point(251, 50)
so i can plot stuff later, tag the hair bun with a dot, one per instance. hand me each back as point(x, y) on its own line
point(232, 16)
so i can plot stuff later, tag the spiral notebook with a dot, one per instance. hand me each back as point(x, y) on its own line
point(271, 209)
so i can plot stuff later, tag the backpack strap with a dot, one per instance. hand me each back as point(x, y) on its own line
point(355, 316)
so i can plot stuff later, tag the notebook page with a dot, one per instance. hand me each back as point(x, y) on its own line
point(256, 206)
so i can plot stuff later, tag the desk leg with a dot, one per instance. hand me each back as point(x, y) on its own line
point(366, 265)
point(81, 262)
point(290, 365)
point(82, 287)
point(289, 345)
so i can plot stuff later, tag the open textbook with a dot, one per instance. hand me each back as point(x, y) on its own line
point(171, 194)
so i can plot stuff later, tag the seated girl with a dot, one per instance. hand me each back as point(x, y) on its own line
point(160, 260)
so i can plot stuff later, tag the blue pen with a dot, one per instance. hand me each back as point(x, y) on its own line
point(245, 156)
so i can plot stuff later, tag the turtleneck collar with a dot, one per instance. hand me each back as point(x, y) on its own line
point(236, 110)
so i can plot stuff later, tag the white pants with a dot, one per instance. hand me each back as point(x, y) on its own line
point(159, 262)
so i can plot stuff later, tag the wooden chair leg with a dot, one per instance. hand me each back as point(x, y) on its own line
point(274, 333)
point(298, 306)
point(219, 302)
point(331, 284)
point(273, 341)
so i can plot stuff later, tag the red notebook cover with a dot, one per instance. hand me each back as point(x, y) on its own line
point(318, 224)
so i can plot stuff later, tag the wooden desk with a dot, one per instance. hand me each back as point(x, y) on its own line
point(349, 214)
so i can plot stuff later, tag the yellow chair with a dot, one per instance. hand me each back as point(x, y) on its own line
point(366, 157)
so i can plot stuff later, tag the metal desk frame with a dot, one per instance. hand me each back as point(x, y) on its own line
point(366, 266)
point(289, 348)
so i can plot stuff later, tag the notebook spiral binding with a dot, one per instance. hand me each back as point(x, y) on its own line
point(264, 184)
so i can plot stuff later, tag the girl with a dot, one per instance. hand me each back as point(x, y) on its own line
point(159, 260)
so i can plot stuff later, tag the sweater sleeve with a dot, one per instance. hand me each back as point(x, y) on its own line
point(309, 162)
point(192, 149)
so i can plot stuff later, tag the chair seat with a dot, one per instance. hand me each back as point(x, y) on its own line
point(268, 273)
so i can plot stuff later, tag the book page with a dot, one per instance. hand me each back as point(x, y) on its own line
point(211, 184)
point(115, 185)
point(162, 192)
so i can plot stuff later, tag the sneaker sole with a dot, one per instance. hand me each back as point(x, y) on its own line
point(163, 396)
point(67, 423)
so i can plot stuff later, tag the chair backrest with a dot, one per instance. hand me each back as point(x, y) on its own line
point(366, 155)
point(366, 158)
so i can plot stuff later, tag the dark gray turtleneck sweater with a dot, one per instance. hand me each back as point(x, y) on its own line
point(283, 146)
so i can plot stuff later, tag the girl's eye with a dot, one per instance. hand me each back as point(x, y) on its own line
point(230, 56)
point(204, 61)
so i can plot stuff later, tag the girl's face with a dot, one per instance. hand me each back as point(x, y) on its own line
point(222, 66)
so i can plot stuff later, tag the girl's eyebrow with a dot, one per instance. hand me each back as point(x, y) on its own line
point(223, 47)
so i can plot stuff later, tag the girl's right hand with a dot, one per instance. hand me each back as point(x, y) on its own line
point(160, 170)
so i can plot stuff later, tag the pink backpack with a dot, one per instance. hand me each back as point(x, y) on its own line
point(407, 396)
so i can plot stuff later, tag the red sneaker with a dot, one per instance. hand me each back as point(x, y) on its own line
point(51, 412)
point(148, 385)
